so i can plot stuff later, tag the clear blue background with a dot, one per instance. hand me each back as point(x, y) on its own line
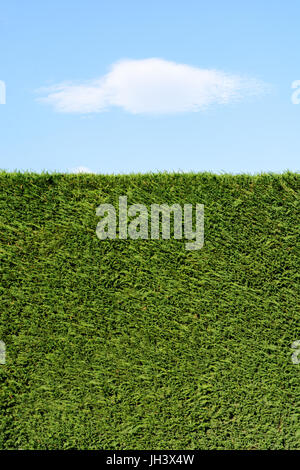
point(46, 42)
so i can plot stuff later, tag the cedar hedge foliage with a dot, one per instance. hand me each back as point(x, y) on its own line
point(140, 344)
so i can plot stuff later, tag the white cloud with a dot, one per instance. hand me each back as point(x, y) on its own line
point(81, 169)
point(153, 86)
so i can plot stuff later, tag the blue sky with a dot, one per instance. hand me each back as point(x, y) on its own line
point(130, 86)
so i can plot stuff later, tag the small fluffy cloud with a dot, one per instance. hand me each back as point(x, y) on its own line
point(151, 86)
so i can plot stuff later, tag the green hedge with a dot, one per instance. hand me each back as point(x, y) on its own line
point(141, 344)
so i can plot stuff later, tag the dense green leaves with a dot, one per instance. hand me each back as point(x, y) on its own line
point(140, 344)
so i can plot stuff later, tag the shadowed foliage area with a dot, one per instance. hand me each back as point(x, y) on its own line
point(141, 344)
